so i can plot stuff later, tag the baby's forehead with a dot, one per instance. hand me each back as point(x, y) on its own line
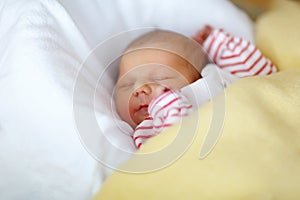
point(151, 57)
point(161, 39)
point(161, 44)
point(145, 63)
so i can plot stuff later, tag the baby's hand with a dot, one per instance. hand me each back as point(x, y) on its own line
point(202, 34)
point(165, 110)
point(168, 108)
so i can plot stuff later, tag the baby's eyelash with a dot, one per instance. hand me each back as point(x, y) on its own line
point(161, 78)
point(126, 85)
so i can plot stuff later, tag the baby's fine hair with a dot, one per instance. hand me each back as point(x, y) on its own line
point(172, 42)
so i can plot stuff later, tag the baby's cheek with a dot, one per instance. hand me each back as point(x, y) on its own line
point(158, 90)
point(180, 84)
point(122, 104)
point(126, 113)
point(130, 105)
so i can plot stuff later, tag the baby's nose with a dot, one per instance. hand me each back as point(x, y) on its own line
point(144, 89)
point(152, 90)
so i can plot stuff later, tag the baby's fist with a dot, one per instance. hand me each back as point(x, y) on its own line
point(202, 34)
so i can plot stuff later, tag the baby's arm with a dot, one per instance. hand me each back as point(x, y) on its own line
point(143, 132)
point(164, 111)
point(233, 54)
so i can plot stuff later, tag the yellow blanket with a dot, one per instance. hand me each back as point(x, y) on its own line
point(257, 155)
point(278, 34)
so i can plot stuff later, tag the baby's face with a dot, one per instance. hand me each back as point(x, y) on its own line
point(146, 74)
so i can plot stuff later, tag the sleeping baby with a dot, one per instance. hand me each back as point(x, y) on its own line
point(164, 75)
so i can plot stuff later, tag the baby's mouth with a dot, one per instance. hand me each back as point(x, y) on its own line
point(142, 107)
point(140, 113)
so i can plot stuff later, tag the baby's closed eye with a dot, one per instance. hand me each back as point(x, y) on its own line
point(125, 85)
point(161, 78)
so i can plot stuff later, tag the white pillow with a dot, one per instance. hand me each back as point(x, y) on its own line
point(99, 20)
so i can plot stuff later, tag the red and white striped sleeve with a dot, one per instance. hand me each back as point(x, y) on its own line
point(143, 132)
point(164, 111)
point(236, 55)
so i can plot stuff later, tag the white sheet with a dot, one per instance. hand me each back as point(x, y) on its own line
point(42, 46)
point(41, 156)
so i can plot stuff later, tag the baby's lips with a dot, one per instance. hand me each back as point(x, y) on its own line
point(140, 113)
point(142, 107)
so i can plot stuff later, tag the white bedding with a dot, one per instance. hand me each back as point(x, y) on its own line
point(43, 44)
